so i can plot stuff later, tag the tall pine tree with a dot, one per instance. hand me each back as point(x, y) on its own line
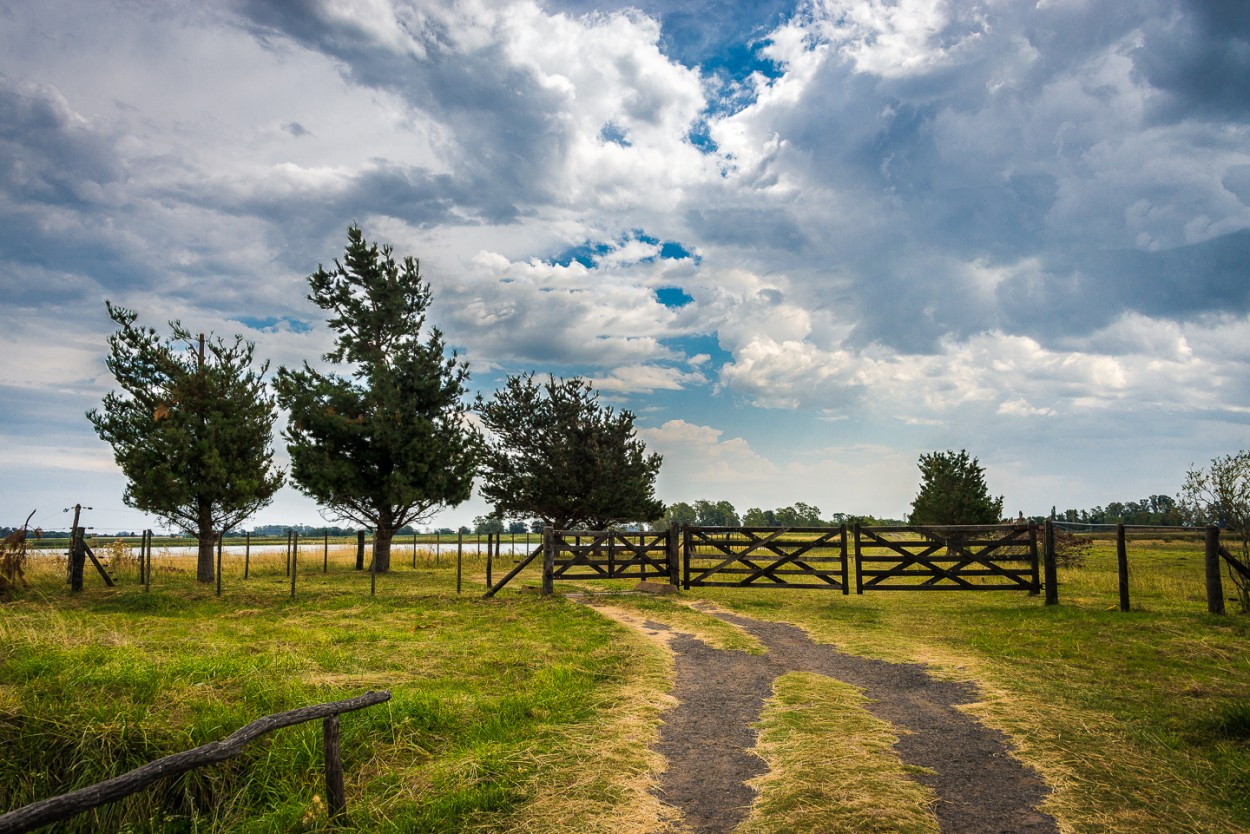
point(953, 491)
point(388, 444)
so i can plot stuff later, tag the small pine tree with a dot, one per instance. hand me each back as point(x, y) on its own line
point(192, 431)
point(953, 491)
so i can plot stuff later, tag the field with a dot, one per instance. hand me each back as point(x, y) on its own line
point(528, 714)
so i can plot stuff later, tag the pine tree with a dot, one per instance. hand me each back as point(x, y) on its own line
point(953, 491)
point(389, 444)
point(556, 454)
point(192, 431)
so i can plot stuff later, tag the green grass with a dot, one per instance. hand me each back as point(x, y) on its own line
point(94, 685)
point(535, 715)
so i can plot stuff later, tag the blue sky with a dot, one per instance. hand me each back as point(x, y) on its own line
point(803, 242)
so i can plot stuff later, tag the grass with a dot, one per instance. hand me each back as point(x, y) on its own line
point(484, 692)
point(524, 714)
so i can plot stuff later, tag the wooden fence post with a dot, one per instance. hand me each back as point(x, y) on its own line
point(147, 573)
point(77, 558)
point(846, 565)
point(490, 554)
point(247, 553)
point(325, 552)
point(549, 562)
point(336, 798)
point(1034, 562)
point(674, 554)
point(1215, 586)
point(288, 552)
point(1121, 561)
point(221, 534)
point(293, 562)
point(1048, 561)
point(373, 567)
point(360, 550)
point(459, 557)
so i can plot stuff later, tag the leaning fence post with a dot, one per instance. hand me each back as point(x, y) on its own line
point(1048, 561)
point(336, 799)
point(549, 562)
point(1121, 561)
point(1215, 586)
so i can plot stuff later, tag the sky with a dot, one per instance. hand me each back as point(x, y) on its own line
point(804, 242)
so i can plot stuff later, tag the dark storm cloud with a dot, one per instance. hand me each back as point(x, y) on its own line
point(508, 135)
point(47, 155)
point(1200, 59)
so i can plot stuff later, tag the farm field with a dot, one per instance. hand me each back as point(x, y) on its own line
point(528, 714)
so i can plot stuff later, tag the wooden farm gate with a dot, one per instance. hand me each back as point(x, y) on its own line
point(765, 557)
point(963, 558)
point(609, 554)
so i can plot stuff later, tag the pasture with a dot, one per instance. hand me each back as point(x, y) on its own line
point(521, 713)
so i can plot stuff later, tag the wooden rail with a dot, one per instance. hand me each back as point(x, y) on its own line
point(69, 804)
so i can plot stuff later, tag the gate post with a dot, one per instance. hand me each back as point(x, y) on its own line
point(1036, 575)
point(685, 558)
point(859, 568)
point(846, 575)
point(674, 577)
point(1215, 587)
point(549, 561)
point(1048, 558)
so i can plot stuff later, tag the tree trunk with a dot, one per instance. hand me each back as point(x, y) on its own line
point(204, 565)
point(382, 549)
point(204, 571)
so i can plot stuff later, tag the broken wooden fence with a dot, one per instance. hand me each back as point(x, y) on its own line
point(70, 804)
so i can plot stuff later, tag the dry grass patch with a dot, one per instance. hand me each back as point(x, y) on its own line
point(832, 767)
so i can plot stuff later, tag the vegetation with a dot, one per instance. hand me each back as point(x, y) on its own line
point(953, 491)
point(556, 454)
point(191, 431)
point(388, 445)
point(1220, 495)
point(526, 714)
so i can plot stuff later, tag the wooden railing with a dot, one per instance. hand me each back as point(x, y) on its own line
point(69, 804)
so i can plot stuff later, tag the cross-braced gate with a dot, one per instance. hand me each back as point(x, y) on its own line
point(967, 558)
point(610, 554)
point(793, 557)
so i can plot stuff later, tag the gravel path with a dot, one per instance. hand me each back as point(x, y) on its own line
point(707, 738)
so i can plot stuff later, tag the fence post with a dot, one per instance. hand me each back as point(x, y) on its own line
point(288, 552)
point(221, 534)
point(77, 558)
point(846, 568)
point(336, 799)
point(360, 550)
point(549, 562)
point(414, 548)
point(1215, 587)
point(325, 553)
point(1048, 561)
point(686, 548)
point(373, 566)
point(674, 559)
point(293, 562)
point(247, 553)
point(147, 572)
point(490, 553)
point(859, 567)
point(459, 557)
point(1121, 561)
point(1035, 575)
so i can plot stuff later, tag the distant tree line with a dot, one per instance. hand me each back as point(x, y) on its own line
point(705, 513)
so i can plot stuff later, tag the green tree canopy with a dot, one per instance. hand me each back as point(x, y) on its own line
point(556, 454)
point(192, 430)
point(389, 444)
point(953, 491)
